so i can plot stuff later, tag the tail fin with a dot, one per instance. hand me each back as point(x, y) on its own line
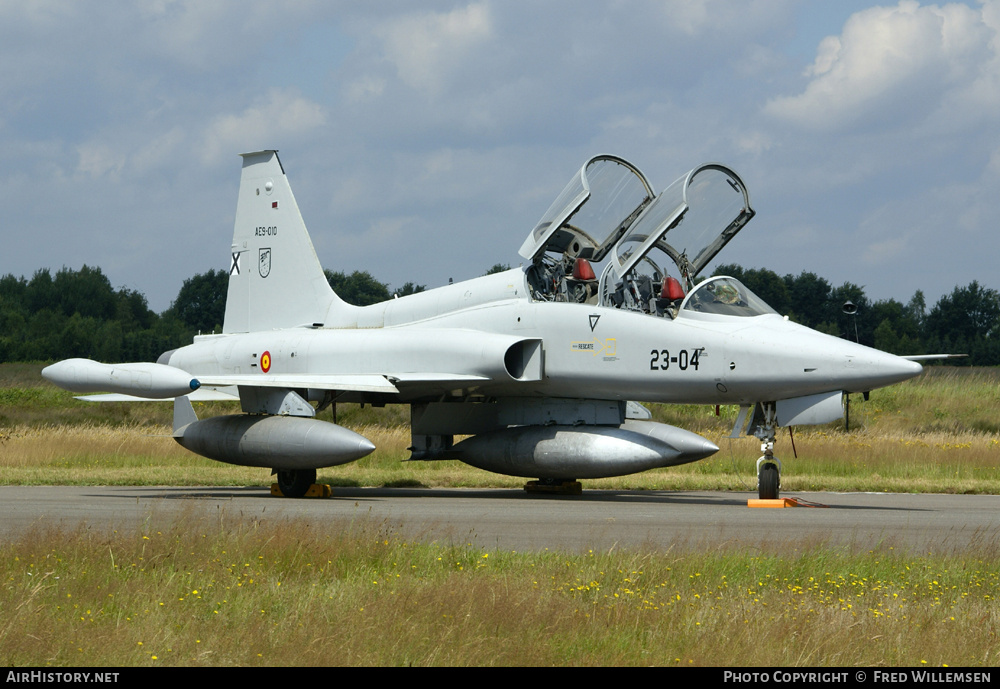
point(275, 278)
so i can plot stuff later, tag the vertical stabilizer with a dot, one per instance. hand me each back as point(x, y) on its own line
point(275, 278)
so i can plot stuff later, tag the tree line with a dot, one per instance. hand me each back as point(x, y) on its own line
point(77, 313)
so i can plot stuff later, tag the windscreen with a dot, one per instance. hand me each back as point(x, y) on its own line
point(725, 296)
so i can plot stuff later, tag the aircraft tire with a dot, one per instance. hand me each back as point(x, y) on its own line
point(294, 483)
point(768, 482)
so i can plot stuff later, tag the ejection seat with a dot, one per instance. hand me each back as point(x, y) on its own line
point(671, 296)
point(582, 281)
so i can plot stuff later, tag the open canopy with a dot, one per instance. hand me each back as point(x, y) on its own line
point(690, 221)
point(591, 213)
point(610, 209)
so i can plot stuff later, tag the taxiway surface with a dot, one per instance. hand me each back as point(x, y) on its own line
point(509, 519)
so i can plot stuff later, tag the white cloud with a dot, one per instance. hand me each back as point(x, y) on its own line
point(885, 252)
point(98, 160)
point(364, 88)
point(163, 149)
point(282, 114)
point(427, 49)
point(890, 65)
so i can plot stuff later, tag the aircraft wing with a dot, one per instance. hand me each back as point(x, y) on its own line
point(199, 395)
point(140, 382)
point(353, 382)
point(437, 379)
point(342, 381)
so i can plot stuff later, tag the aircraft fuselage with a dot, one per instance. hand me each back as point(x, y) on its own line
point(585, 351)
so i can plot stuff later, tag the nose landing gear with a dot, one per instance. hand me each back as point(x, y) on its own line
point(768, 466)
point(768, 477)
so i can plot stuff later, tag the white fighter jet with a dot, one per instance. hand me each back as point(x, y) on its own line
point(544, 366)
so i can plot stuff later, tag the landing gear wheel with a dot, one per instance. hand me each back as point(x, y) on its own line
point(768, 482)
point(554, 486)
point(294, 483)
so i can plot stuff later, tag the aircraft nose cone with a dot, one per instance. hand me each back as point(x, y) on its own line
point(908, 369)
point(877, 369)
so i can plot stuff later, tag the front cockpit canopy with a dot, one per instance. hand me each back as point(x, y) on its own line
point(725, 296)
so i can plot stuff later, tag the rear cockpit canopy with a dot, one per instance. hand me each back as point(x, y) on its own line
point(591, 213)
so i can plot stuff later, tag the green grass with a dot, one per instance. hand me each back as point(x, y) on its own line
point(226, 592)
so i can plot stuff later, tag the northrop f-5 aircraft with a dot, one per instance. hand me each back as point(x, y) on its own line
point(543, 366)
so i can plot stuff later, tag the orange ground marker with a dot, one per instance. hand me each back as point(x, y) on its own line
point(782, 502)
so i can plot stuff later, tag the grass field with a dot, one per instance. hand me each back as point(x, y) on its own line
point(237, 593)
point(289, 594)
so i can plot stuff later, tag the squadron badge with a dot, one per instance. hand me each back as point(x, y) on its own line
point(264, 262)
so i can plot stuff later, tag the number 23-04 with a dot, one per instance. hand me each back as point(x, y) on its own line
point(660, 359)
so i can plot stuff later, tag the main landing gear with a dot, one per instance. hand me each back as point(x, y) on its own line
point(293, 483)
point(554, 486)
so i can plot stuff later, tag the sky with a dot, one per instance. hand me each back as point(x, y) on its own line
point(424, 140)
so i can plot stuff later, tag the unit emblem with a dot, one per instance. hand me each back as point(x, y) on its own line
point(264, 262)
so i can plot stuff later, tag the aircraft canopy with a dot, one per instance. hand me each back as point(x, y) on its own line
point(609, 209)
point(725, 296)
point(601, 200)
point(690, 221)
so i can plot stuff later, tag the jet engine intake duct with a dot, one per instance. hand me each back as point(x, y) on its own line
point(524, 361)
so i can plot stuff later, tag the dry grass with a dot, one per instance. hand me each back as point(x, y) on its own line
point(219, 593)
point(827, 460)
